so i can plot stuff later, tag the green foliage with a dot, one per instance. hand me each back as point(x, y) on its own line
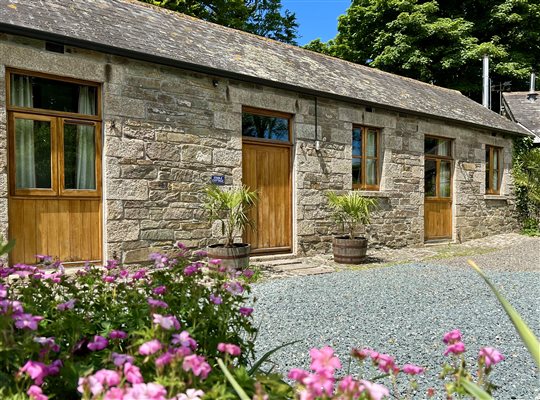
point(526, 171)
point(6, 247)
point(261, 17)
point(351, 209)
point(230, 206)
point(441, 42)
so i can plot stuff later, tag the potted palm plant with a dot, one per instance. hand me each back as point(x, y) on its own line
point(230, 207)
point(350, 210)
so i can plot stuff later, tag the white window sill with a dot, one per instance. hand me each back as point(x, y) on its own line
point(373, 193)
point(495, 197)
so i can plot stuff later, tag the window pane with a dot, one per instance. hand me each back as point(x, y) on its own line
point(439, 147)
point(371, 172)
point(356, 171)
point(50, 94)
point(32, 154)
point(430, 178)
point(79, 157)
point(357, 142)
point(371, 148)
point(263, 127)
point(444, 179)
point(495, 181)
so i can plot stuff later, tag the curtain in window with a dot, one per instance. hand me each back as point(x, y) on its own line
point(371, 164)
point(495, 174)
point(25, 164)
point(444, 179)
point(85, 142)
point(443, 149)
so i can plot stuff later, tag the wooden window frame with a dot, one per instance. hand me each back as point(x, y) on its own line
point(269, 113)
point(362, 185)
point(438, 159)
point(58, 119)
point(499, 150)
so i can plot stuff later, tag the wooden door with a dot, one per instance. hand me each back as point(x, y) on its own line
point(54, 203)
point(437, 189)
point(266, 167)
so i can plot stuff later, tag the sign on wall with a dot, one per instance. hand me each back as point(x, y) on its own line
point(218, 179)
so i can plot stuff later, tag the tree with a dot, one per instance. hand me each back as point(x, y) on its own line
point(441, 42)
point(261, 17)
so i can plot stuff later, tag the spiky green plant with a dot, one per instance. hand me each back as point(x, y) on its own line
point(351, 209)
point(230, 206)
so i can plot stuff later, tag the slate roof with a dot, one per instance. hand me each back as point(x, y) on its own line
point(521, 110)
point(134, 29)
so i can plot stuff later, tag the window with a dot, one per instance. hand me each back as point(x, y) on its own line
point(437, 167)
point(493, 169)
point(54, 137)
point(365, 158)
point(263, 124)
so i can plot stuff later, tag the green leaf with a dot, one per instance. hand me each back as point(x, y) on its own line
point(265, 357)
point(528, 338)
point(5, 248)
point(237, 388)
point(474, 390)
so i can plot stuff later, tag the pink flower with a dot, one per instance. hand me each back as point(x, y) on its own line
point(411, 369)
point(3, 292)
point(36, 370)
point(197, 364)
point(455, 348)
point(191, 269)
point(150, 347)
point(167, 322)
point(54, 367)
point(214, 261)
point(245, 311)
point(35, 393)
point(248, 273)
point(47, 343)
point(121, 359)
point(490, 356)
point(191, 394)
point(323, 359)
point(114, 394)
point(452, 336)
point(27, 321)
point(164, 359)
point(321, 382)
point(374, 390)
point(297, 374)
point(216, 299)
point(234, 288)
point(385, 363)
point(159, 290)
point(68, 305)
point(361, 354)
point(348, 385)
point(109, 278)
point(107, 377)
point(132, 373)
point(232, 349)
point(112, 264)
point(14, 307)
point(139, 274)
point(184, 340)
point(117, 334)
point(157, 303)
point(98, 343)
point(146, 391)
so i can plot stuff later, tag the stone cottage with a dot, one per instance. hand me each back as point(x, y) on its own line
point(115, 115)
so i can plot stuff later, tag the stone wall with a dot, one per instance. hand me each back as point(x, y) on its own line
point(167, 131)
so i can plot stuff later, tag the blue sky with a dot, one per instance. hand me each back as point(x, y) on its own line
point(317, 18)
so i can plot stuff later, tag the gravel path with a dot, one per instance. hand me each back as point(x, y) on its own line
point(404, 311)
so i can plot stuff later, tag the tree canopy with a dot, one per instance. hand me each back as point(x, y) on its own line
point(261, 17)
point(441, 42)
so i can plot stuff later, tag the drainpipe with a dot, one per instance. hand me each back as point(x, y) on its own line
point(532, 93)
point(317, 142)
point(485, 81)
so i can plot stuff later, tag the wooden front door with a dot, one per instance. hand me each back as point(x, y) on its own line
point(54, 169)
point(438, 189)
point(267, 169)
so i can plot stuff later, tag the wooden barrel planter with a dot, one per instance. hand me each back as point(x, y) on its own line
point(236, 257)
point(349, 251)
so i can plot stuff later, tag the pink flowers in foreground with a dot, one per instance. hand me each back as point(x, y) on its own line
point(489, 356)
point(98, 343)
point(324, 359)
point(229, 348)
point(453, 340)
point(27, 321)
point(150, 347)
point(167, 322)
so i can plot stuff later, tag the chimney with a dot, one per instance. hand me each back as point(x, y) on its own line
point(485, 82)
point(532, 95)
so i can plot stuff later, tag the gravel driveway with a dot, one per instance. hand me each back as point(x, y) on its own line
point(404, 310)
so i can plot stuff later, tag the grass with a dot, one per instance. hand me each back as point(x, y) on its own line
point(451, 252)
